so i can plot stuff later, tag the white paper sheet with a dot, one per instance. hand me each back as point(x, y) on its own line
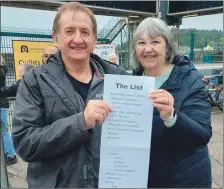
point(126, 133)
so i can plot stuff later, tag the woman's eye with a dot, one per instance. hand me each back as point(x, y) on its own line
point(155, 42)
point(141, 42)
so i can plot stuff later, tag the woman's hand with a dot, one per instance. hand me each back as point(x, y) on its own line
point(163, 101)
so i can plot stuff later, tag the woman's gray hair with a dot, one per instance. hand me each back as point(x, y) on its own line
point(154, 27)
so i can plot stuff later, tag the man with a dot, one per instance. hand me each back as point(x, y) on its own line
point(59, 107)
point(49, 51)
point(10, 91)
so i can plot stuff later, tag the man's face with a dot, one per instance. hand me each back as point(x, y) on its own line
point(49, 51)
point(75, 38)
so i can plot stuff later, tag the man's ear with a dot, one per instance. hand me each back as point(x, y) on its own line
point(55, 38)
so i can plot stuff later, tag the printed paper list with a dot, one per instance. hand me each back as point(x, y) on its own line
point(126, 133)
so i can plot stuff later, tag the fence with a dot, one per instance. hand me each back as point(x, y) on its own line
point(201, 46)
point(7, 35)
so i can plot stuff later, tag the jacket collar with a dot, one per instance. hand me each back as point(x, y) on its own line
point(55, 66)
point(182, 67)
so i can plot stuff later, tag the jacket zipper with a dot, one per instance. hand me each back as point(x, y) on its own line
point(87, 162)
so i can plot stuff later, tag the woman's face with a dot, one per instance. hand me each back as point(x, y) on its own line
point(2, 61)
point(113, 59)
point(151, 52)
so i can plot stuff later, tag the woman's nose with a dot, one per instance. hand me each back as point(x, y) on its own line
point(148, 48)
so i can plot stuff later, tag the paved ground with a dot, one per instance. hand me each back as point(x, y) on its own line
point(216, 150)
point(17, 172)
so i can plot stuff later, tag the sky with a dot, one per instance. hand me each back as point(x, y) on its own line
point(24, 18)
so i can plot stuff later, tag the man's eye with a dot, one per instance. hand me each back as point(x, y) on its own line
point(68, 32)
point(85, 33)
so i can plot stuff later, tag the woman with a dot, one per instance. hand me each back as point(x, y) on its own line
point(4, 106)
point(181, 118)
point(113, 58)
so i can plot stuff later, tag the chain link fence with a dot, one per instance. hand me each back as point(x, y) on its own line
point(8, 35)
point(207, 46)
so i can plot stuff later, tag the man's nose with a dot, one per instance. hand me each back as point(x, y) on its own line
point(77, 37)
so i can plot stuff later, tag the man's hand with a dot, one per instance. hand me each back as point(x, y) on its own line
point(96, 110)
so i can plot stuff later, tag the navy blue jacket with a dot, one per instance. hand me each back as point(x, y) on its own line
point(179, 155)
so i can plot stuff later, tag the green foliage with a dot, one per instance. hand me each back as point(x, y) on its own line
point(202, 37)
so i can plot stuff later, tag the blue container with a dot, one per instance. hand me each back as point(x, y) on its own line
point(214, 81)
point(208, 58)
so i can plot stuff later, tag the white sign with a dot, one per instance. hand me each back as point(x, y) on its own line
point(126, 133)
point(104, 50)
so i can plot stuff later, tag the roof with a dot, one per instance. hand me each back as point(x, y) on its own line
point(108, 8)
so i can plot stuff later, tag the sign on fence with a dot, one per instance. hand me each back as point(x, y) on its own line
point(28, 52)
point(104, 50)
